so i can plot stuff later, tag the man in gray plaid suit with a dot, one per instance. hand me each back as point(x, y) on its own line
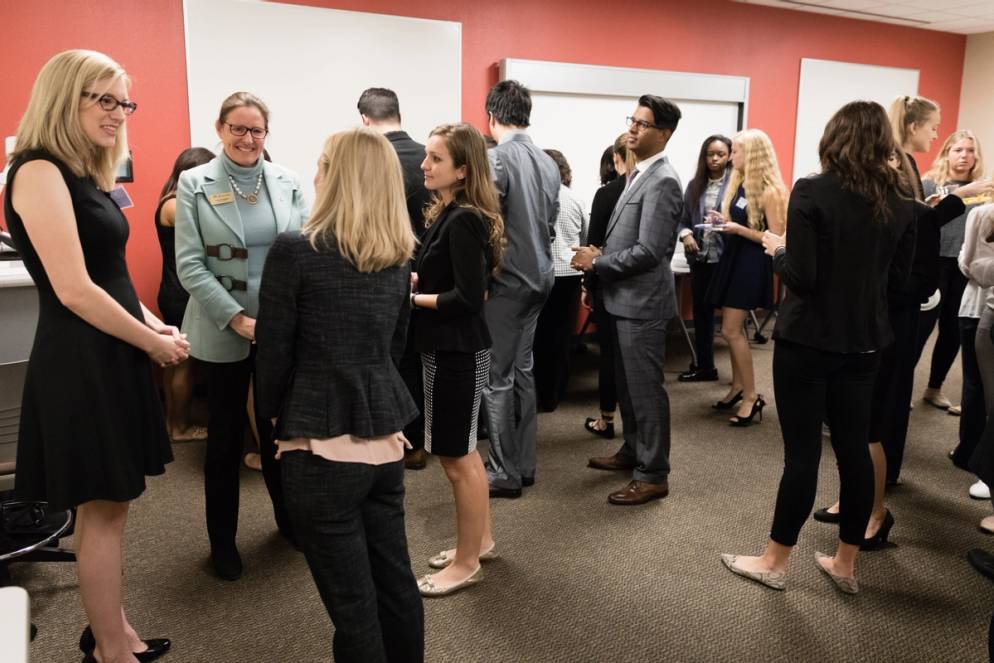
point(634, 268)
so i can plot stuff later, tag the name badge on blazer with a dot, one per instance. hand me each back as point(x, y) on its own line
point(741, 204)
point(221, 198)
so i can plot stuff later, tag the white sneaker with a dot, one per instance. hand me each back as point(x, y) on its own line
point(980, 491)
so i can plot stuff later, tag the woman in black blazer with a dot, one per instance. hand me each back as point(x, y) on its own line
point(601, 208)
point(459, 252)
point(845, 228)
point(333, 311)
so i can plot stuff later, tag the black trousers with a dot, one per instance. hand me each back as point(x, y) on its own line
point(904, 322)
point(951, 286)
point(227, 394)
point(974, 416)
point(811, 386)
point(413, 375)
point(700, 279)
point(349, 520)
point(552, 341)
point(607, 386)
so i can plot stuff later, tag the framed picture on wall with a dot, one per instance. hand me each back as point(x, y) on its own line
point(125, 171)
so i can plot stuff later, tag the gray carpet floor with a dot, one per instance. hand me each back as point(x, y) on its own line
point(580, 580)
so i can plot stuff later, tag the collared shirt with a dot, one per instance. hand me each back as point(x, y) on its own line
point(642, 166)
point(571, 230)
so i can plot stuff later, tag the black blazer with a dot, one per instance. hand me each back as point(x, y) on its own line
point(411, 155)
point(836, 266)
point(454, 262)
point(605, 198)
point(329, 338)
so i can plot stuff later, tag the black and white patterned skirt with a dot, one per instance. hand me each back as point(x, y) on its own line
point(454, 383)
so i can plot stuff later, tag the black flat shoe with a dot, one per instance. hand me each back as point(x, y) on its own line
point(826, 516)
point(527, 482)
point(699, 375)
point(728, 405)
point(879, 540)
point(508, 493)
point(156, 647)
point(227, 564)
point(607, 433)
point(757, 408)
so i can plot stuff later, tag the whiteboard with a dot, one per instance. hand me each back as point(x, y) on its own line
point(310, 64)
point(826, 86)
point(582, 126)
point(580, 109)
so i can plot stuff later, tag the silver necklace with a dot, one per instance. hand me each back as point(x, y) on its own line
point(251, 198)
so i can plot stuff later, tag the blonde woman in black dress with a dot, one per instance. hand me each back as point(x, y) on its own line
point(459, 252)
point(91, 424)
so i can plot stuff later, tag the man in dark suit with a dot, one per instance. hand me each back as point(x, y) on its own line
point(380, 111)
point(634, 271)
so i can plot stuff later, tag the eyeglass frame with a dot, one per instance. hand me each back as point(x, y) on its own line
point(129, 107)
point(642, 124)
point(247, 130)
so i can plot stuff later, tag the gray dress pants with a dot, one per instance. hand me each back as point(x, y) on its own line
point(510, 396)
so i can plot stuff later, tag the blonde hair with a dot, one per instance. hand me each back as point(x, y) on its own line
point(905, 112)
point(940, 171)
point(760, 174)
point(360, 202)
point(51, 121)
point(476, 191)
point(621, 149)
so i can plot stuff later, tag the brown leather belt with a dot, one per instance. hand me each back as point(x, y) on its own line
point(230, 284)
point(226, 252)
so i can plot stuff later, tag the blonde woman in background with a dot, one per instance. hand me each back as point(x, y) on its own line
point(333, 312)
point(960, 162)
point(91, 426)
point(755, 201)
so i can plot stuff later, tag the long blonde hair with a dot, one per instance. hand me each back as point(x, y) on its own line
point(51, 121)
point(761, 173)
point(476, 190)
point(940, 171)
point(360, 202)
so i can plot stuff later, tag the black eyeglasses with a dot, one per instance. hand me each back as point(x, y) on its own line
point(641, 124)
point(109, 102)
point(239, 130)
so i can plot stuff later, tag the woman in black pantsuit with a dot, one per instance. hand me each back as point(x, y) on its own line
point(591, 295)
point(333, 313)
point(459, 252)
point(844, 229)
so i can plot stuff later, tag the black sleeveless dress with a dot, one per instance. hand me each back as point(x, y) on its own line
point(172, 297)
point(91, 423)
point(744, 276)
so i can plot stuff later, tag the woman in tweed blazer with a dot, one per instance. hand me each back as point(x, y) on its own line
point(332, 325)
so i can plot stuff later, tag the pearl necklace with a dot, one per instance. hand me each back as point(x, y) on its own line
point(251, 198)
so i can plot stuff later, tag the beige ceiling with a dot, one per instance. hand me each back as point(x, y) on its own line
point(962, 16)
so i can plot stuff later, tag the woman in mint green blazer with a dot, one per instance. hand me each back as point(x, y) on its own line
point(228, 214)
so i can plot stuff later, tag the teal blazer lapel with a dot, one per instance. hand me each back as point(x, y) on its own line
point(280, 190)
point(216, 183)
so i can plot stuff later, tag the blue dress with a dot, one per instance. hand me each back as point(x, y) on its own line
point(744, 276)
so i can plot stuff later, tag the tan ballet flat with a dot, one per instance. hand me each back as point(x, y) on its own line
point(442, 559)
point(428, 588)
point(770, 579)
point(843, 584)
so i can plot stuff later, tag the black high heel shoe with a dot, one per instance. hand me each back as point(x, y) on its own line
point(728, 405)
point(757, 408)
point(879, 540)
point(607, 432)
point(156, 647)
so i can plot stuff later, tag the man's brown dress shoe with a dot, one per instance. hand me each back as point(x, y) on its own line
point(416, 459)
point(615, 462)
point(639, 492)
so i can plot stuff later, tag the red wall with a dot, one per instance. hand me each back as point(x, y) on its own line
point(707, 36)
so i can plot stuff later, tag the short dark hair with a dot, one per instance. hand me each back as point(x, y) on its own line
point(379, 103)
point(665, 114)
point(510, 103)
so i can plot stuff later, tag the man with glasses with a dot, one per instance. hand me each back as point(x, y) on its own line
point(527, 181)
point(634, 271)
point(379, 109)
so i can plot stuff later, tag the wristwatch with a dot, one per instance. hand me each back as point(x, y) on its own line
point(593, 263)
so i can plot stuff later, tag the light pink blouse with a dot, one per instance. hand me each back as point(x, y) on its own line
point(350, 449)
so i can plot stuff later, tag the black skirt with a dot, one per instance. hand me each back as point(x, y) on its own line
point(454, 384)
